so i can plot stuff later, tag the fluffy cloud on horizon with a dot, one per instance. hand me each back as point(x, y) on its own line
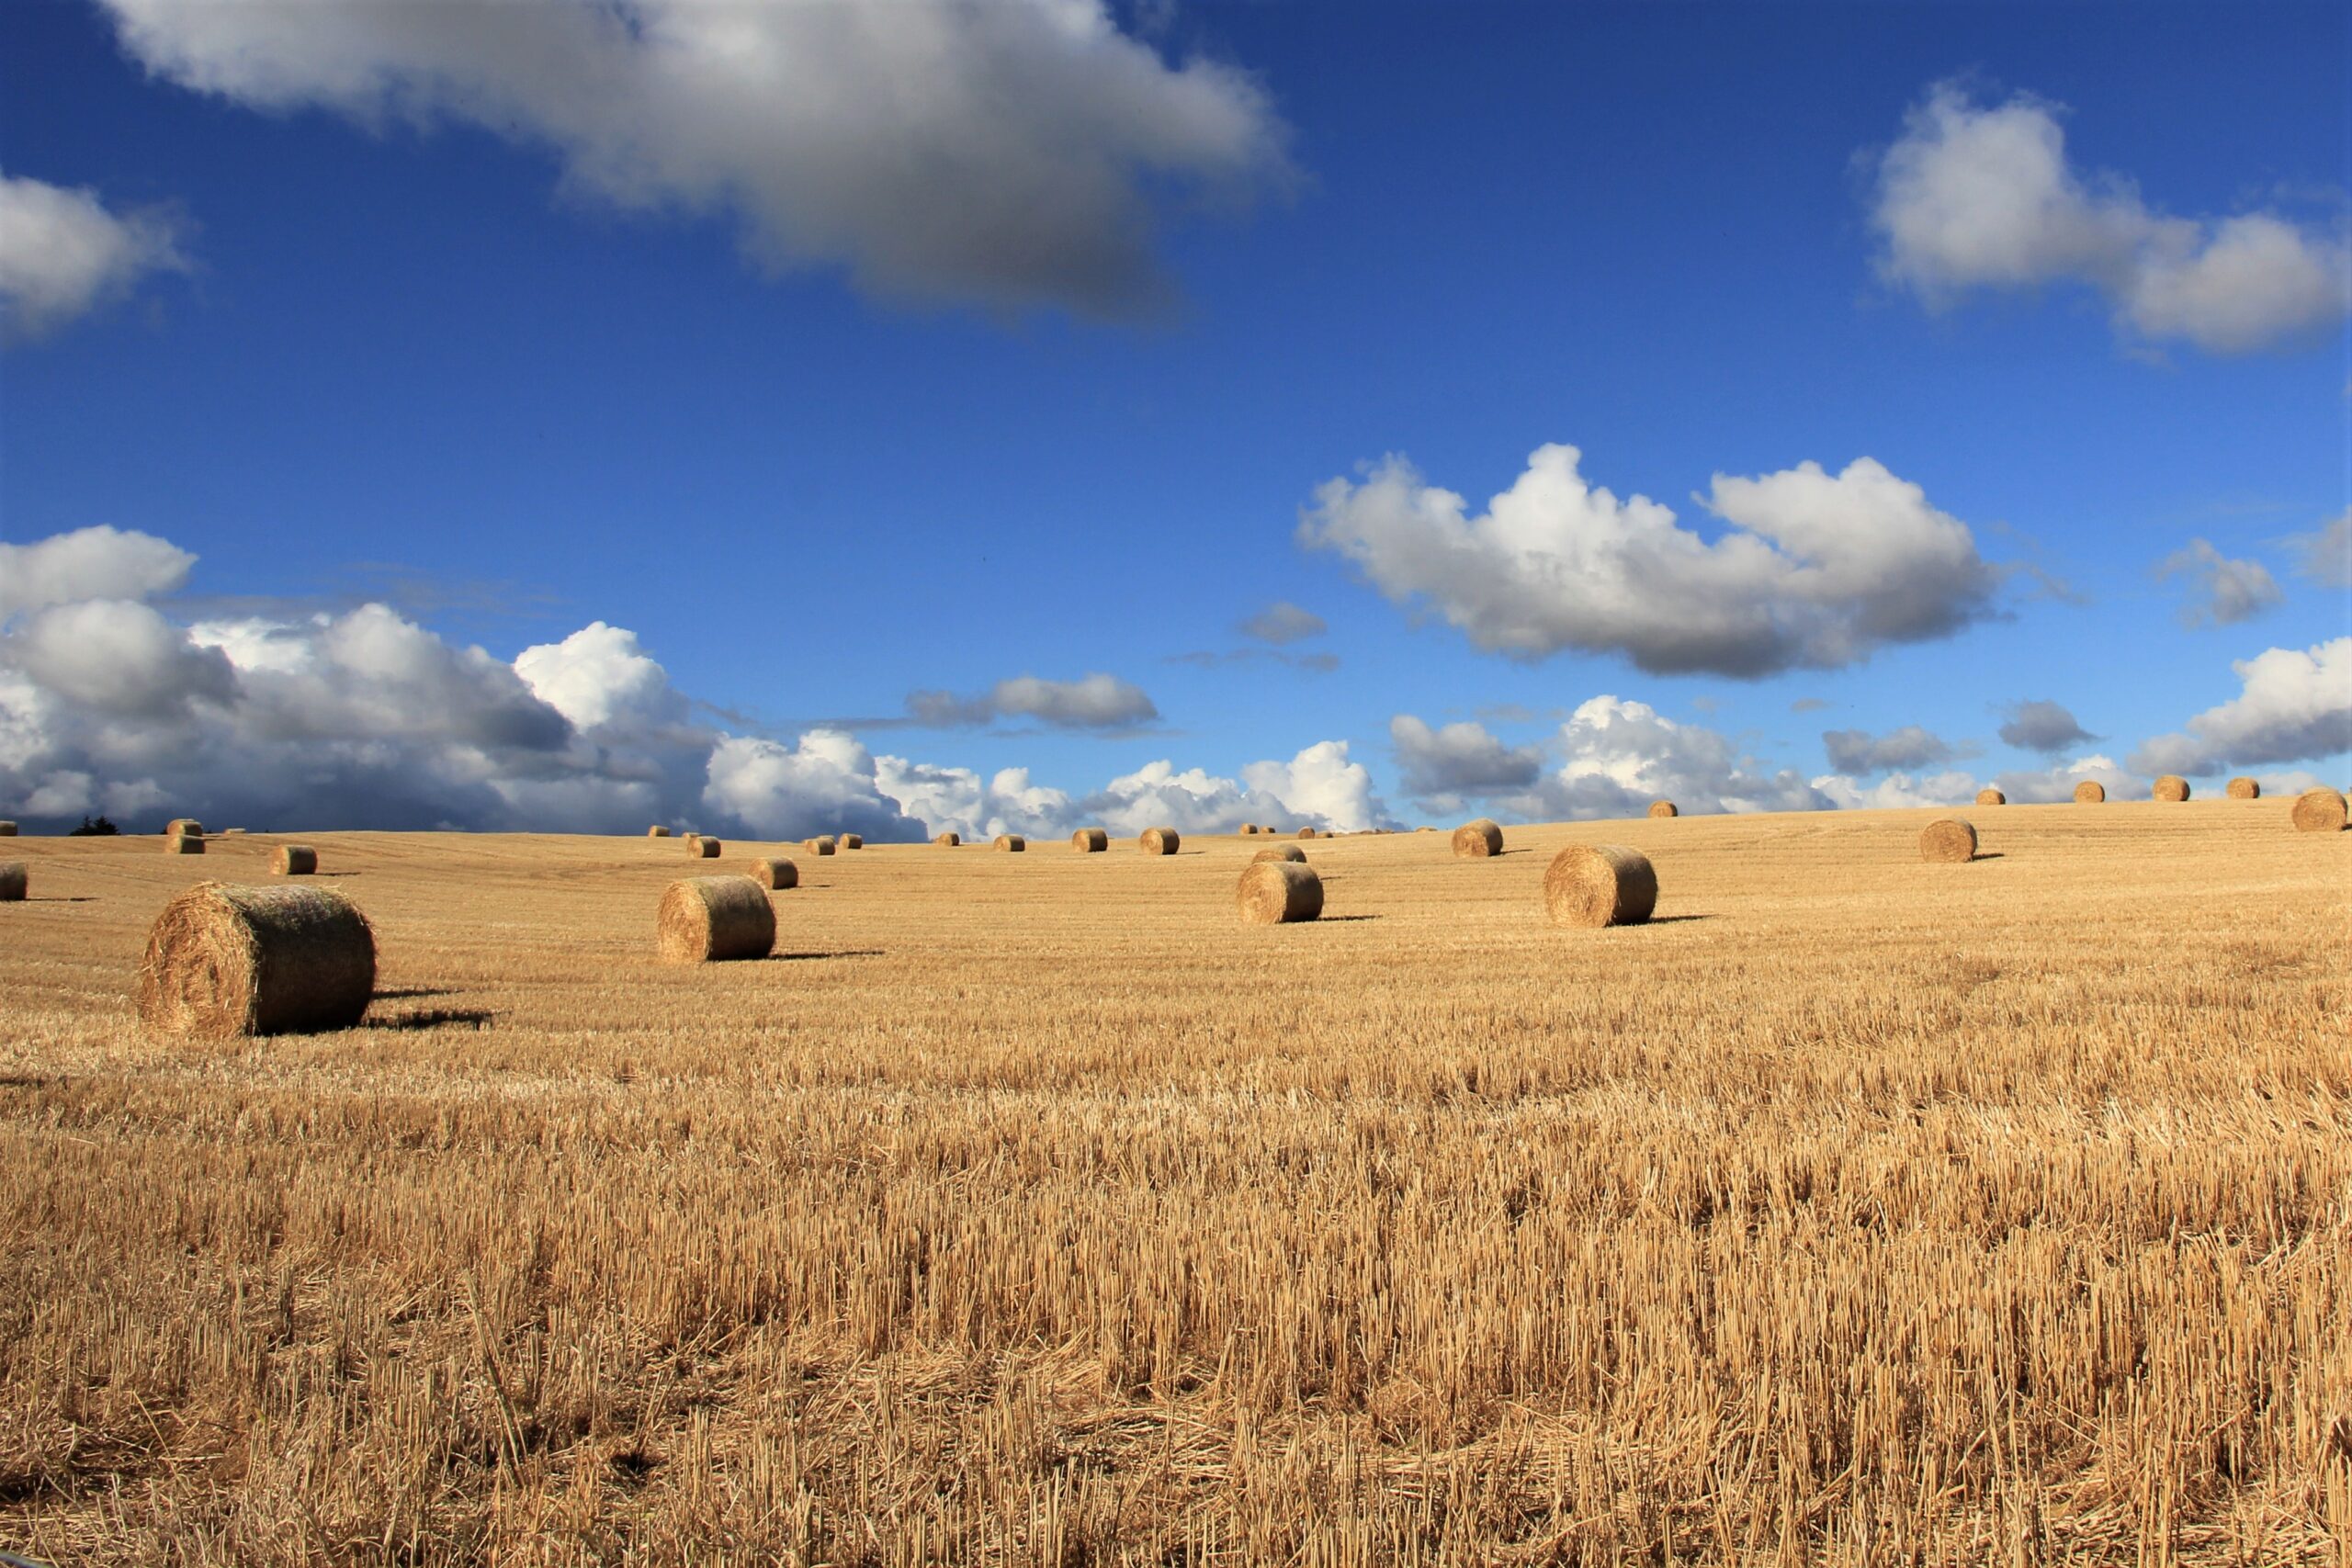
point(62, 253)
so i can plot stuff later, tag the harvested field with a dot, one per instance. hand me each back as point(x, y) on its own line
point(1852, 1212)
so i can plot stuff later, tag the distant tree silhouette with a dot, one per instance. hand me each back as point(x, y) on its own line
point(92, 828)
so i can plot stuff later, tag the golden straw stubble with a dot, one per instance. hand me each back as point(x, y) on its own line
point(1281, 853)
point(1279, 892)
point(708, 920)
point(2243, 788)
point(295, 860)
point(2320, 810)
point(226, 961)
point(1160, 840)
point(2172, 787)
point(13, 881)
point(1478, 839)
point(1090, 841)
point(1990, 796)
point(1949, 841)
point(777, 873)
point(1599, 885)
point(2090, 791)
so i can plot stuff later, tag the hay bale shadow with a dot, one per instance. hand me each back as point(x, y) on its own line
point(844, 953)
point(434, 1017)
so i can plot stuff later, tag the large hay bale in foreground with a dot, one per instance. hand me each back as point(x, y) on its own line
point(2243, 788)
point(1599, 885)
point(2172, 787)
point(1009, 843)
point(657, 832)
point(1990, 796)
point(2090, 791)
point(184, 843)
point(821, 845)
point(1291, 853)
point(1278, 893)
point(295, 860)
point(1665, 808)
point(1090, 841)
point(2320, 810)
point(948, 840)
point(1160, 840)
point(1480, 840)
point(776, 874)
point(12, 881)
point(223, 962)
point(853, 841)
point(1949, 841)
point(700, 848)
point(710, 919)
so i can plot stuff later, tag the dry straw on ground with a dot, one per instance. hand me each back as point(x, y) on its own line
point(13, 881)
point(1090, 841)
point(184, 843)
point(657, 832)
point(948, 840)
point(700, 848)
point(2171, 787)
point(2244, 788)
point(1665, 808)
point(1478, 839)
point(1277, 893)
point(1949, 841)
point(295, 860)
point(708, 920)
point(1160, 840)
point(820, 845)
point(2320, 810)
point(1010, 843)
point(1599, 885)
point(224, 961)
point(2090, 791)
point(853, 841)
point(1991, 796)
point(775, 873)
point(1280, 852)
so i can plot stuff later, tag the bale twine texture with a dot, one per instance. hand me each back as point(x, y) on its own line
point(295, 860)
point(1480, 840)
point(1665, 808)
point(2242, 788)
point(1090, 841)
point(1991, 798)
point(183, 843)
point(853, 841)
point(1599, 885)
point(1279, 892)
point(1160, 840)
point(948, 840)
point(2090, 791)
point(2172, 787)
point(708, 920)
point(223, 962)
point(12, 881)
point(775, 873)
point(1279, 852)
point(1949, 841)
point(2320, 810)
point(1010, 843)
point(818, 846)
point(657, 832)
point(700, 848)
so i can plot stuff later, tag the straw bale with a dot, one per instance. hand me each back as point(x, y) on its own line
point(1478, 839)
point(1160, 840)
point(224, 961)
point(12, 881)
point(700, 848)
point(2319, 810)
point(1281, 853)
point(1090, 841)
point(948, 840)
point(775, 873)
point(1949, 841)
point(1665, 808)
point(295, 860)
point(1599, 885)
point(183, 843)
point(821, 845)
point(1991, 796)
point(1276, 892)
point(2090, 791)
point(2171, 787)
point(2243, 788)
point(1010, 843)
point(707, 919)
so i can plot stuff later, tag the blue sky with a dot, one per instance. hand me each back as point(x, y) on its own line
point(370, 352)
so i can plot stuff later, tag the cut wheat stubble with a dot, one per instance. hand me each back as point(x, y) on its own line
point(1599, 885)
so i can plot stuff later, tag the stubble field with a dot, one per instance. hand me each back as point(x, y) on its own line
point(1028, 1209)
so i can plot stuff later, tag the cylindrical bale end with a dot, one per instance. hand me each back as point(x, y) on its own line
point(1279, 892)
point(853, 841)
point(948, 840)
point(2243, 788)
point(1665, 808)
point(1290, 853)
point(1599, 885)
point(184, 843)
point(1949, 841)
point(223, 962)
point(1990, 796)
point(186, 825)
point(1090, 841)
point(821, 845)
point(1480, 840)
point(2319, 810)
point(13, 881)
point(776, 874)
point(700, 848)
point(1009, 843)
point(2171, 787)
point(2090, 791)
point(295, 860)
point(711, 919)
point(1160, 840)
point(657, 832)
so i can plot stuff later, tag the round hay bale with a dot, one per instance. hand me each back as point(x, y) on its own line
point(187, 825)
point(657, 832)
point(2319, 810)
point(1599, 885)
point(700, 848)
point(1090, 841)
point(853, 841)
point(2090, 791)
point(9, 829)
point(1308, 833)
point(183, 843)
point(1278, 893)
point(948, 840)
point(295, 860)
point(1291, 853)
point(1480, 840)
point(1010, 843)
point(818, 846)
point(1990, 796)
point(2243, 788)
point(775, 873)
point(12, 881)
point(2172, 787)
point(1247, 829)
point(1949, 841)
point(223, 962)
point(1665, 808)
point(708, 920)
point(1160, 840)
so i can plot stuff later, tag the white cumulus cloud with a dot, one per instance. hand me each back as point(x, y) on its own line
point(62, 253)
point(1816, 569)
point(1443, 766)
point(89, 563)
point(1977, 195)
point(2295, 706)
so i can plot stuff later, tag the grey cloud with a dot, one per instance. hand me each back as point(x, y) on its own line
point(1096, 702)
point(1459, 760)
point(2221, 592)
point(1859, 751)
point(2041, 725)
point(2324, 554)
point(62, 253)
point(1282, 622)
